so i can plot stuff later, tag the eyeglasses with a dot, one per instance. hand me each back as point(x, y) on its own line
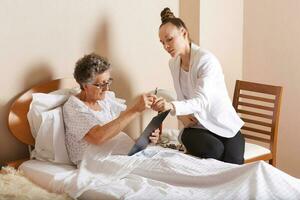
point(103, 85)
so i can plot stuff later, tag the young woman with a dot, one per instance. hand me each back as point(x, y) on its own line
point(212, 127)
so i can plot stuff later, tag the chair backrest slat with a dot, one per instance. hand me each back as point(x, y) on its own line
point(256, 130)
point(256, 106)
point(257, 98)
point(257, 138)
point(256, 122)
point(254, 114)
point(258, 87)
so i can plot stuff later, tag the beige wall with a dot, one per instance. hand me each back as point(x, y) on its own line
point(190, 14)
point(221, 32)
point(41, 40)
point(271, 55)
point(217, 25)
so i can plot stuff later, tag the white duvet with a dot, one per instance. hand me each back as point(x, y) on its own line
point(158, 173)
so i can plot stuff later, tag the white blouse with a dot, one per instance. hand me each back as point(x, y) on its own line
point(184, 83)
point(186, 88)
point(79, 119)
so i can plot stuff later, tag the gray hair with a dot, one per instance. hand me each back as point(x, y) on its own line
point(88, 67)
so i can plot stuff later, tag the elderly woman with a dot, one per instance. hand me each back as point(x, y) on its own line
point(95, 115)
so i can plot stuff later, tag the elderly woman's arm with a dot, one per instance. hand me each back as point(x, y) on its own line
point(99, 134)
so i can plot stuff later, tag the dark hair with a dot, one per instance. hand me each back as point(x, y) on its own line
point(88, 67)
point(168, 16)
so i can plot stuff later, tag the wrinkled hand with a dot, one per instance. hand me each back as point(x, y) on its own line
point(154, 137)
point(160, 105)
point(143, 102)
point(188, 120)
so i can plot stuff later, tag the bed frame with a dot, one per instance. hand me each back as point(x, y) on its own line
point(17, 117)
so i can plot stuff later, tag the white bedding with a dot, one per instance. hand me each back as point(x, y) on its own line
point(163, 174)
point(158, 173)
point(42, 173)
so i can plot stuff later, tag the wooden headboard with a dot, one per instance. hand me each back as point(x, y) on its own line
point(17, 117)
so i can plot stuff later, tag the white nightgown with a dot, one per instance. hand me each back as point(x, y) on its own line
point(79, 119)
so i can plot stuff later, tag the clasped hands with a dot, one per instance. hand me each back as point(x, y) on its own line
point(160, 104)
point(147, 101)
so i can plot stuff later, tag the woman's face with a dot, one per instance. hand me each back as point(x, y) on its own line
point(96, 90)
point(173, 39)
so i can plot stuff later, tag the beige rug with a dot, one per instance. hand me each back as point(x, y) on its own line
point(13, 185)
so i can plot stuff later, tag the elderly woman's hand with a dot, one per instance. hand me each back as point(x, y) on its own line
point(143, 102)
point(154, 137)
point(160, 105)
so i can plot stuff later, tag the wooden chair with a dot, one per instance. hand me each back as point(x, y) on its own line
point(258, 106)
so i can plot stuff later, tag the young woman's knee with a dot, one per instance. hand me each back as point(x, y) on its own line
point(202, 145)
point(234, 159)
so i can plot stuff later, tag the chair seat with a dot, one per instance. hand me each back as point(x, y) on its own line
point(254, 150)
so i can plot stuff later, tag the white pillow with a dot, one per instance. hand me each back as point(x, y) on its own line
point(43, 102)
point(46, 123)
point(43, 142)
point(50, 141)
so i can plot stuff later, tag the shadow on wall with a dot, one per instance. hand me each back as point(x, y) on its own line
point(102, 47)
point(121, 85)
point(37, 74)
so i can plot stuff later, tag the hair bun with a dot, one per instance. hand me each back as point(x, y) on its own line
point(166, 14)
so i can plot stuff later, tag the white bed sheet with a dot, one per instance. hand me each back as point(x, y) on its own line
point(42, 173)
point(151, 181)
point(158, 173)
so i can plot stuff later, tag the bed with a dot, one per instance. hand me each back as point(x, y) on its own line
point(155, 173)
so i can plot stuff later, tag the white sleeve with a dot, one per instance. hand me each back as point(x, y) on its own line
point(117, 105)
point(208, 72)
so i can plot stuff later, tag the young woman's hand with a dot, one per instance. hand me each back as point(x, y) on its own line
point(143, 102)
point(160, 105)
point(188, 120)
point(154, 137)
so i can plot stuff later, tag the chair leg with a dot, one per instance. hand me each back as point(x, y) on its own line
point(272, 162)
